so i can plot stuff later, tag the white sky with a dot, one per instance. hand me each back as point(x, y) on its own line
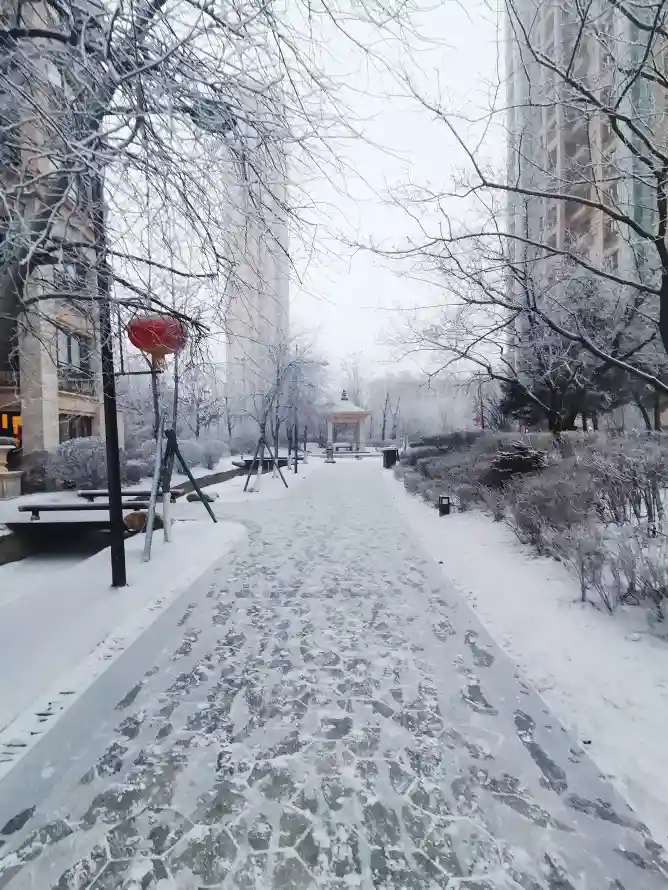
point(349, 298)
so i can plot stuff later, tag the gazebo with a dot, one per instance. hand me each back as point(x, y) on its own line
point(345, 412)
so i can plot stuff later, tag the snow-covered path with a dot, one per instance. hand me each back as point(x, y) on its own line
point(319, 711)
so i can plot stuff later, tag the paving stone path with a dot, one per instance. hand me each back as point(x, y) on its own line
point(322, 711)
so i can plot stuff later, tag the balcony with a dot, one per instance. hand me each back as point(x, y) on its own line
point(74, 381)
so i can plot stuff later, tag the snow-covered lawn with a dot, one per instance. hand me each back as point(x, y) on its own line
point(605, 677)
point(66, 627)
point(8, 509)
point(233, 490)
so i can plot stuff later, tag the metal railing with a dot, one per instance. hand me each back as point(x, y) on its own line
point(78, 382)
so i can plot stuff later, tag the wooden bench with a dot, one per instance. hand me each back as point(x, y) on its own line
point(36, 509)
point(93, 493)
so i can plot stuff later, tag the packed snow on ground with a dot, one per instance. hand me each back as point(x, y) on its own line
point(66, 627)
point(605, 677)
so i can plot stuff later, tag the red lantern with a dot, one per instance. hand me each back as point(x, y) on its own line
point(157, 335)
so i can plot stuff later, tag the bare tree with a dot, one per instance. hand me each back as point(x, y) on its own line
point(354, 379)
point(292, 378)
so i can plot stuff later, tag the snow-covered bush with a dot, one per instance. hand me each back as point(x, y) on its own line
point(82, 463)
point(630, 473)
point(585, 550)
point(147, 449)
point(135, 436)
point(245, 444)
point(467, 495)
point(495, 502)
point(412, 481)
point(637, 565)
point(518, 459)
point(36, 477)
point(559, 498)
point(214, 450)
point(136, 470)
point(193, 452)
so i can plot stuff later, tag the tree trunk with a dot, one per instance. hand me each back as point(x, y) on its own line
point(663, 298)
point(594, 420)
point(386, 408)
point(645, 415)
point(395, 421)
point(274, 472)
point(657, 411)
point(585, 423)
point(260, 456)
point(289, 434)
point(569, 421)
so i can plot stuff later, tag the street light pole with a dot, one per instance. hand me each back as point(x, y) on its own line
point(116, 527)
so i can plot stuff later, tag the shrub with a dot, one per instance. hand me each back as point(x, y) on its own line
point(82, 463)
point(193, 452)
point(243, 444)
point(585, 550)
point(639, 569)
point(518, 460)
point(412, 481)
point(495, 502)
point(135, 436)
point(136, 470)
point(560, 497)
point(147, 450)
point(214, 450)
point(467, 495)
point(36, 477)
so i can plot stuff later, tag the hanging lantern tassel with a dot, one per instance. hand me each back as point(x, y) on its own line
point(158, 336)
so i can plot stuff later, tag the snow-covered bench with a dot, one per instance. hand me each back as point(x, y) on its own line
point(36, 509)
point(93, 493)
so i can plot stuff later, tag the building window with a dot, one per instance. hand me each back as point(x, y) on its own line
point(75, 371)
point(10, 424)
point(611, 262)
point(74, 351)
point(609, 232)
point(74, 426)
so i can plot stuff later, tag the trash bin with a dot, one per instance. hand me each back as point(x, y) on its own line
point(390, 457)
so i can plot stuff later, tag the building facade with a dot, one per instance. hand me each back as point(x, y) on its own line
point(559, 142)
point(258, 318)
point(50, 382)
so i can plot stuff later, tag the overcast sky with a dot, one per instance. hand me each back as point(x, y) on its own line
point(350, 298)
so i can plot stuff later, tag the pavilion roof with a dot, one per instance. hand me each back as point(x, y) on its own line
point(345, 406)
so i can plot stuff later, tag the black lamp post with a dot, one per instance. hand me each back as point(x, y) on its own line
point(116, 527)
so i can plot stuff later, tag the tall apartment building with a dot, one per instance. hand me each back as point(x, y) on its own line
point(556, 143)
point(258, 321)
point(50, 383)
